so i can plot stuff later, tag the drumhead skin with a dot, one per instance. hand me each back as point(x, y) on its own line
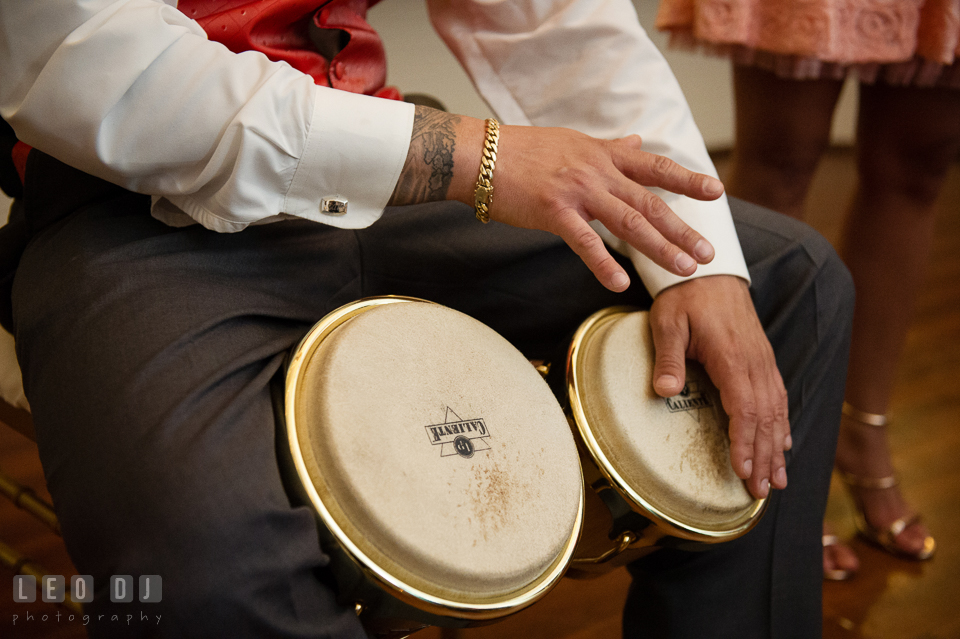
point(669, 458)
point(435, 454)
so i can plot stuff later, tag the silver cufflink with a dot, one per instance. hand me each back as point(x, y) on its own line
point(333, 206)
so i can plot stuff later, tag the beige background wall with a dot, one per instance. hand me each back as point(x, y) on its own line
point(420, 62)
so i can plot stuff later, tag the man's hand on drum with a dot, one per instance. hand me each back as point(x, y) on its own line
point(559, 180)
point(713, 320)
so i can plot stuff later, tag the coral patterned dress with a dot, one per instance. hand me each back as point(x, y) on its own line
point(906, 42)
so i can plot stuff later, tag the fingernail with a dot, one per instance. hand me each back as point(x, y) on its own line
point(748, 467)
point(703, 250)
point(782, 478)
point(764, 488)
point(666, 383)
point(620, 280)
point(685, 262)
point(788, 443)
point(714, 187)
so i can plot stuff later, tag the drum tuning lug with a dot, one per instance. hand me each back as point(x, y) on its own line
point(624, 541)
point(627, 538)
point(542, 367)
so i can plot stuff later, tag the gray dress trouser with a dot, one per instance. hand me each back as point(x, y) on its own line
point(147, 353)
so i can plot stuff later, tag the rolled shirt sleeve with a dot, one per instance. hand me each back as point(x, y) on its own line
point(588, 65)
point(133, 91)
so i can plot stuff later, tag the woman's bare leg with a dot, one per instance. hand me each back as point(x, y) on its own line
point(782, 128)
point(907, 138)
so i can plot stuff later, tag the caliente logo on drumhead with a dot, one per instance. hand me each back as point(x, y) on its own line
point(459, 436)
point(690, 398)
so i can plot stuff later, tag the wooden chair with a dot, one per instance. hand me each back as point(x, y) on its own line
point(25, 498)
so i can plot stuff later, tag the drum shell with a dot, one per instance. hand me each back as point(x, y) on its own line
point(606, 516)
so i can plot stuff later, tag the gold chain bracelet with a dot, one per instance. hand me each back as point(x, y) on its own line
point(483, 195)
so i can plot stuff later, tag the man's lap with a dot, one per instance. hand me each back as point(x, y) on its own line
point(147, 354)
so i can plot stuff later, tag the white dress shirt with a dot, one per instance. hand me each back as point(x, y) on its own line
point(133, 91)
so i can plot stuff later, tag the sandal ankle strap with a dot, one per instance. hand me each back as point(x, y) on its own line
point(862, 416)
point(870, 483)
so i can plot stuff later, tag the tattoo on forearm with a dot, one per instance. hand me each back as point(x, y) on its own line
point(428, 169)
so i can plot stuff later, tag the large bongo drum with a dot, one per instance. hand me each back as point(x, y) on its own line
point(657, 471)
point(439, 463)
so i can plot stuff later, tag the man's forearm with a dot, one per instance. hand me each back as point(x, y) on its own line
point(428, 169)
point(443, 160)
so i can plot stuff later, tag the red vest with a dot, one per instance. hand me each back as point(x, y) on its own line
point(328, 39)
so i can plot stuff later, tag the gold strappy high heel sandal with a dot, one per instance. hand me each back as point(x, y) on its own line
point(886, 538)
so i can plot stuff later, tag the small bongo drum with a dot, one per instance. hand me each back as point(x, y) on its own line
point(439, 463)
point(657, 470)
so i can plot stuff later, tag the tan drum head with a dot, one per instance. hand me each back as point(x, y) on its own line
point(436, 454)
point(670, 458)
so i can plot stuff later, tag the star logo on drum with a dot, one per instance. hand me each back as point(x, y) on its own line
point(457, 436)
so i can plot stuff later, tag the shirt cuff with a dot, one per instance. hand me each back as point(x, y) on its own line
point(712, 220)
point(355, 151)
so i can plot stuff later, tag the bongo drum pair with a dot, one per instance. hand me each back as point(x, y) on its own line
point(449, 485)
